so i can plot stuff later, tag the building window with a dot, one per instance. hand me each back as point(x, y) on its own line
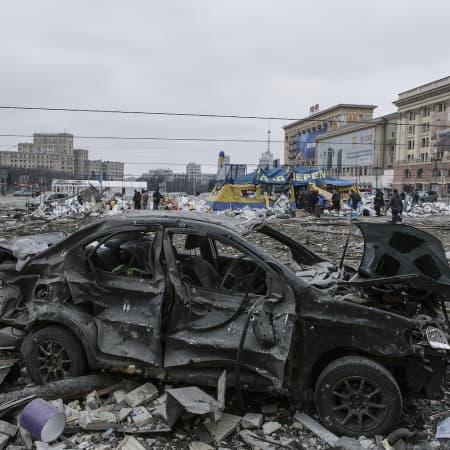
point(425, 127)
point(412, 115)
point(411, 129)
point(425, 142)
point(423, 157)
point(411, 144)
point(420, 173)
point(407, 173)
point(441, 107)
point(426, 111)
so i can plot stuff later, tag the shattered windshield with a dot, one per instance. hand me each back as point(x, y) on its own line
point(302, 262)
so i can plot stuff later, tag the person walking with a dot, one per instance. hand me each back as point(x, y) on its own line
point(145, 197)
point(336, 201)
point(137, 199)
point(355, 199)
point(314, 197)
point(395, 203)
point(157, 196)
point(378, 202)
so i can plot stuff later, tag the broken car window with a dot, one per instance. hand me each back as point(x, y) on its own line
point(125, 254)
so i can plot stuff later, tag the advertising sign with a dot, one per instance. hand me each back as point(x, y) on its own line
point(347, 150)
point(440, 130)
point(306, 145)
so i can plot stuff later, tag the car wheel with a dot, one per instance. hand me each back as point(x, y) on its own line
point(53, 353)
point(356, 396)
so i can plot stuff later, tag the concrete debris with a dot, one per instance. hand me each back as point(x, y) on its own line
point(316, 428)
point(271, 427)
point(252, 420)
point(8, 428)
point(97, 420)
point(140, 416)
point(92, 400)
point(191, 399)
point(199, 446)
point(130, 443)
point(143, 394)
point(4, 440)
point(223, 427)
point(257, 442)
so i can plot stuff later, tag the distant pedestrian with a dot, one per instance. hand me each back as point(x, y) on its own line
point(378, 202)
point(145, 196)
point(395, 203)
point(313, 198)
point(336, 201)
point(355, 198)
point(137, 199)
point(157, 196)
point(416, 198)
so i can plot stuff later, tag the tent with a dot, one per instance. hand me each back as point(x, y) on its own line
point(238, 196)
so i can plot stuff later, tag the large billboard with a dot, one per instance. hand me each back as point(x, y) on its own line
point(440, 130)
point(305, 146)
point(347, 150)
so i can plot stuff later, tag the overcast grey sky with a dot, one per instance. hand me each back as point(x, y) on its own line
point(248, 57)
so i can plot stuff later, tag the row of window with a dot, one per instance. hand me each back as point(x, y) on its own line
point(425, 142)
point(426, 110)
point(421, 173)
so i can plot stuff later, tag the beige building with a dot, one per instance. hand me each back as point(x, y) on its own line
point(361, 152)
point(110, 170)
point(423, 138)
point(300, 136)
point(54, 152)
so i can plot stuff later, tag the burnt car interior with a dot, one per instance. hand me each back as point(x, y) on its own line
point(207, 262)
point(124, 253)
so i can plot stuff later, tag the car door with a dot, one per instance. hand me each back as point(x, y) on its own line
point(120, 276)
point(230, 308)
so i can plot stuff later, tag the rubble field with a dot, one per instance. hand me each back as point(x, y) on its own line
point(132, 412)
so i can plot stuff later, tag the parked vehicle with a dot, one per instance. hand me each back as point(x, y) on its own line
point(187, 295)
point(22, 193)
point(46, 199)
point(427, 196)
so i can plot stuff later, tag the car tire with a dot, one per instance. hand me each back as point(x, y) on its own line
point(356, 396)
point(53, 353)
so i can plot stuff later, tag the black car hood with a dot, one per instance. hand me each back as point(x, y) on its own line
point(45, 238)
point(391, 250)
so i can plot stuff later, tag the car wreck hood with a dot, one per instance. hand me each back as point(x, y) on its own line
point(40, 241)
point(393, 250)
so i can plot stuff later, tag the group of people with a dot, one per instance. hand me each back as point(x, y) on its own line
point(308, 199)
point(140, 199)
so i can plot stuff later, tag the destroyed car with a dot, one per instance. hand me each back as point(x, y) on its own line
point(182, 296)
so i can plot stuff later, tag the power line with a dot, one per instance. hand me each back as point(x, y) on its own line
point(241, 141)
point(210, 115)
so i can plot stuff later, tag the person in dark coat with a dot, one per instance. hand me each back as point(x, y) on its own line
point(137, 199)
point(355, 198)
point(336, 201)
point(313, 199)
point(395, 203)
point(157, 196)
point(378, 202)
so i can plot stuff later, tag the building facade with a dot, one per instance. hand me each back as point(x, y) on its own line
point(54, 152)
point(49, 151)
point(363, 152)
point(423, 138)
point(300, 136)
